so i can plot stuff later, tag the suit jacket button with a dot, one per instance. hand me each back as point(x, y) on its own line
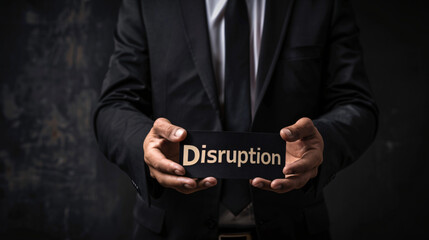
point(261, 225)
point(211, 223)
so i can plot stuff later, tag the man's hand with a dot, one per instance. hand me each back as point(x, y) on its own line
point(161, 154)
point(304, 154)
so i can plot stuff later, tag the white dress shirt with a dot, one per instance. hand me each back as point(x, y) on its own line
point(216, 25)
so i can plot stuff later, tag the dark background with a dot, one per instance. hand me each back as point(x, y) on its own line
point(54, 184)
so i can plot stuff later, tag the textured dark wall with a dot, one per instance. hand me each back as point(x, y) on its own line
point(385, 195)
point(54, 184)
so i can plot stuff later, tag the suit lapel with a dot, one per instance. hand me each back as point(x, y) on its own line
point(277, 13)
point(195, 25)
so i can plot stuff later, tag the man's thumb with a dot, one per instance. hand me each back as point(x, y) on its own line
point(165, 129)
point(304, 127)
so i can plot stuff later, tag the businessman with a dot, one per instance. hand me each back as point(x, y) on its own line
point(293, 67)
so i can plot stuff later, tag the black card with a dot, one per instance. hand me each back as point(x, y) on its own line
point(233, 155)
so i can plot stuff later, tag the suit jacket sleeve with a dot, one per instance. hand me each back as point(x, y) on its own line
point(122, 118)
point(349, 122)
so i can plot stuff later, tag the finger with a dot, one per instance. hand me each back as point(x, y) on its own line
point(279, 186)
point(201, 185)
point(173, 181)
point(299, 180)
point(207, 182)
point(311, 159)
point(282, 185)
point(293, 181)
point(303, 128)
point(157, 160)
point(261, 183)
point(165, 129)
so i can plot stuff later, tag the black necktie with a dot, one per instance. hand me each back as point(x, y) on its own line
point(237, 116)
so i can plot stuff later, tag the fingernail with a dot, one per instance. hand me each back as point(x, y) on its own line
point(179, 132)
point(208, 184)
point(277, 187)
point(178, 172)
point(259, 185)
point(287, 132)
point(187, 186)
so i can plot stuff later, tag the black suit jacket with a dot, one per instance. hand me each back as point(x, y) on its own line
point(310, 65)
